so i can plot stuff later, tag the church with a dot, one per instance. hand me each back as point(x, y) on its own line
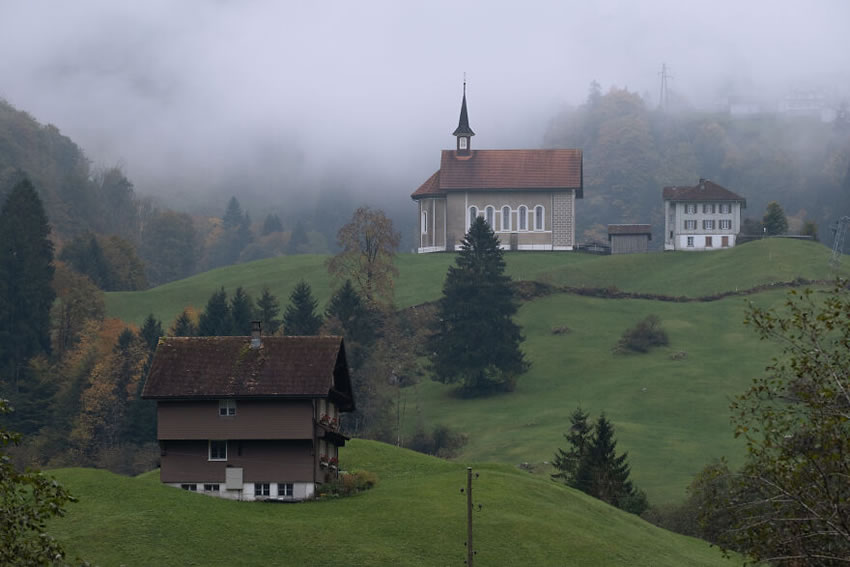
point(527, 197)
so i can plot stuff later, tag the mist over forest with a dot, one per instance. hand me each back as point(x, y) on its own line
point(296, 108)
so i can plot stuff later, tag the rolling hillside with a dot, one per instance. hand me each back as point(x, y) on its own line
point(415, 516)
point(671, 415)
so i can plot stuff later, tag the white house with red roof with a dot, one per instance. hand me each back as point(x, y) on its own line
point(527, 196)
point(703, 217)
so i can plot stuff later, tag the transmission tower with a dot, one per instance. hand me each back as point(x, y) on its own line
point(838, 242)
point(664, 96)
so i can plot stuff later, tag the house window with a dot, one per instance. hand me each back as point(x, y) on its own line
point(473, 212)
point(523, 218)
point(189, 487)
point(708, 225)
point(489, 213)
point(211, 488)
point(726, 224)
point(538, 217)
point(708, 208)
point(261, 489)
point(708, 243)
point(218, 450)
point(690, 242)
point(690, 208)
point(424, 222)
point(285, 489)
point(506, 218)
point(726, 207)
point(690, 225)
point(226, 407)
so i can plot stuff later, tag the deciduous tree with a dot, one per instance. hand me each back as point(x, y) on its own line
point(476, 342)
point(369, 244)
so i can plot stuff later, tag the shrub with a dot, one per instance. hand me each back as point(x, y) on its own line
point(441, 442)
point(351, 483)
point(643, 336)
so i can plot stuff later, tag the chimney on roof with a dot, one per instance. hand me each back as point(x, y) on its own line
point(702, 184)
point(256, 333)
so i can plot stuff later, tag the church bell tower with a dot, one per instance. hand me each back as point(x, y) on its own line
point(463, 132)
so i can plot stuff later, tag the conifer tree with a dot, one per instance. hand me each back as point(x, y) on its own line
point(774, 220)
point(272, 224)
point(348, 315)
point(26, 272)
point(300, 318)
point(476, 343)
point(183, 326)
point(241, 313)
point(268, 309)
point(232, 215)
point(150, 332)
point(215, 320)
point(579, 437)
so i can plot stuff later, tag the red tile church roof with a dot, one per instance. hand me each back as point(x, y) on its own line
point(500, 170)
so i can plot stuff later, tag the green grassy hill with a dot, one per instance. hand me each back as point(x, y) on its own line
point(421, 276)
point(415, 516)
point(671, 415)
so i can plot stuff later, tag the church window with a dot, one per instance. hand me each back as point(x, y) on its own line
point(490, 212)
point(506, 218)
point(473, 212)
point(538, 217)
point(523, 218)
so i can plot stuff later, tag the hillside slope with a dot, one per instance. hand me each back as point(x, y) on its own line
point(421, 276)
point(415, 516)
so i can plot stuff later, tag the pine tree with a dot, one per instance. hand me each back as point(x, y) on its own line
point(348, 315)
point(26, 272)
point(183, 326)
point(300, 318)
point(297, 240)
point(232, 215)
point(241, 313)
point(476, 342)
point(268, 309)
point(272, 224)
point(579, 437)
point(774, 219)
point(215, 320)
point(150, 332)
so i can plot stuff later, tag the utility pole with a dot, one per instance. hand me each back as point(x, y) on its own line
point(664, 96)
point(470, 549)
point(838, 242)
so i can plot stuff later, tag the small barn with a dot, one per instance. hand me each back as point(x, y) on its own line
point(629, 238)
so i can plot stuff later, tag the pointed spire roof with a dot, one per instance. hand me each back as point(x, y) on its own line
point(463, 128)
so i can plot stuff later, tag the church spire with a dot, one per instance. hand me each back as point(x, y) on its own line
point(463, 132)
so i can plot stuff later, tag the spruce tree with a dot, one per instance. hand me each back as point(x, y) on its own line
point(774, 220)
point(215, 320)
point(232, 215)
point(268, 309)
point(150, 332)
point(300, 318)
point(241, 313)
point(26, 273)
point(297, 240)
point(356, 322)
point(579, 437)
point(476, 343)
point(272, 224)
point(183, 326)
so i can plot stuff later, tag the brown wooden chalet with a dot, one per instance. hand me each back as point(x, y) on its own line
point(250, 417)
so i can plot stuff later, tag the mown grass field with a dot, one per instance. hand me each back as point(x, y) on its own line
point(415, 516)
point(671, 415)
point(421, 276)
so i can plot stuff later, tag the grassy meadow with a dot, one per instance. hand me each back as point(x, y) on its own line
point(671, 415)
point(414, 516)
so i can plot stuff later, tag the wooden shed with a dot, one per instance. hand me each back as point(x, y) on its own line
point(629, 238)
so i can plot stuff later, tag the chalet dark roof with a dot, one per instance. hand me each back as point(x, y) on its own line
point(463, 128)
point(705, 190)
point(221, 367)
point(505, 170)
point(630, 229)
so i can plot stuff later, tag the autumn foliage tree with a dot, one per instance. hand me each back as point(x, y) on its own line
point(369, 244)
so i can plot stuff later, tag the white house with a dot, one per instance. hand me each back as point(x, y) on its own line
point(704, 217)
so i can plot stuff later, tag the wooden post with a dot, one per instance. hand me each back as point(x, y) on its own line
point(470, 552)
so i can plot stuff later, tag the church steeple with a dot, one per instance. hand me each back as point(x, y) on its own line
point(463, 132)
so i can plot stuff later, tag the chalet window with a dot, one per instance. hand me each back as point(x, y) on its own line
point(189, 487)
point(506, 218)
point(261, 489)
point(726, 224)
point(690, 225)
point(538, 217)
point(523, 218)
point(490, 212)
point(708, 225)
point(211, 488)
point(690, 242)
point(473, 212)
point(226, 407)
point(285, 489)
point(218, 450)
